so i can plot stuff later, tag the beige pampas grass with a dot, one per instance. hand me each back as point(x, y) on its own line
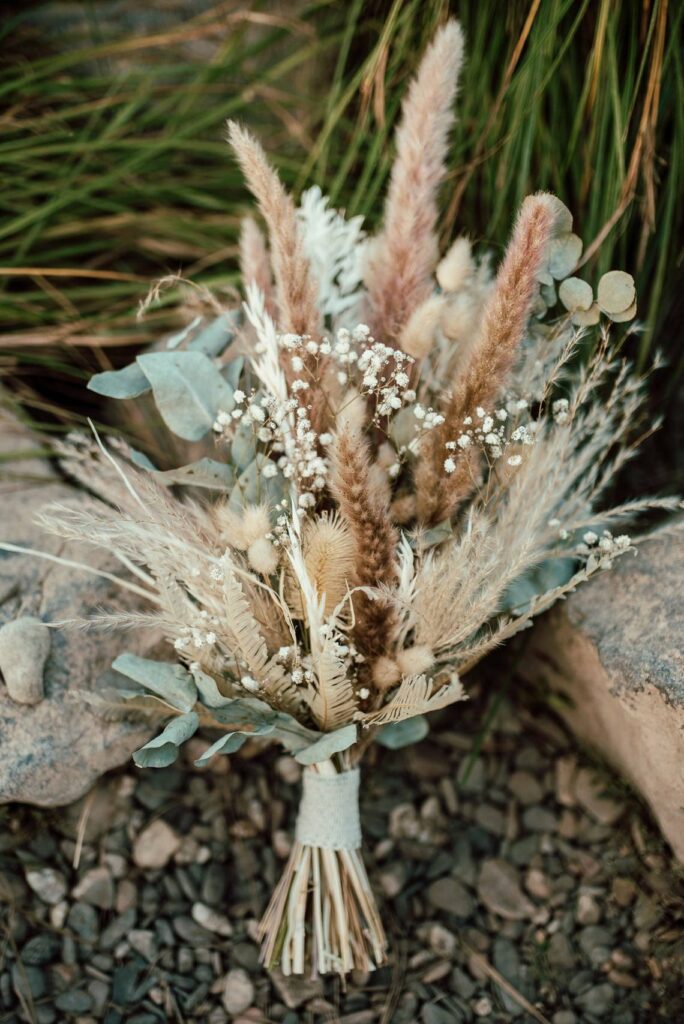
point(374, 540)
point(490, 359)
point(255, 265)
point(296, 290)
point(402, 259)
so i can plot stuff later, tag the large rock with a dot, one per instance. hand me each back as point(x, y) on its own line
point(53, 751)
point(615, 649)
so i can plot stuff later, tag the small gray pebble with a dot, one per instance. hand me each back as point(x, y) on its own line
point(74, 1001)
point(598, 999)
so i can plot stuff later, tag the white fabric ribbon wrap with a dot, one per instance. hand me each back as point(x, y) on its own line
point(329, 811)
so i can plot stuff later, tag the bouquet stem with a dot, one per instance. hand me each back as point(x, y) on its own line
point(323, 917)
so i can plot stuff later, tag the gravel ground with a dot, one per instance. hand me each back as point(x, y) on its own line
point(517, 883)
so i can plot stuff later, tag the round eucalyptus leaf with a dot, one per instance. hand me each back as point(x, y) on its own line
point(588, 317)
point(564, 252)
point(616, 292)
point(575, 294)
point(623, 318)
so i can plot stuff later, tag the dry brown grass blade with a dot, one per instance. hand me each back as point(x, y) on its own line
point(479, 153)
point(491, 972)
point(100, 275)
point(643, 152)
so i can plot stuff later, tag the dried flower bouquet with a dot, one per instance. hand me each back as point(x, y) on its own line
point(407, 465)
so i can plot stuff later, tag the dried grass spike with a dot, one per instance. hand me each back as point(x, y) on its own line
point(490, 359)
point(374, 537)
point(402, 258)
point(255, 265)
point(296, 290)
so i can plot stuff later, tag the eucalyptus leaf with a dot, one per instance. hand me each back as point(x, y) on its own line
point(227, 744)
point(564, 254)
point(247, 712)
point(128, 382)
point(622, 318)
point(188, 390)
point(233, 371)
point(209, 693)
point(587, 317)
point(616, 292)
point(146, 701)
point(215, 338)
point(163, 749)
point(396, 735)
point(548, 294)
point(141, 460)
point(550, 574)
point(330, 743)
point(243, 446)
point(575, 294)
point(180, 336)
point(207, 473)
point(168, 680)
point(252, 486)
point(292, 734)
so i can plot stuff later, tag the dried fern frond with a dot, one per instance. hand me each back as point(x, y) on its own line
point(247, 639)
point(333, 701)
point(416, 695)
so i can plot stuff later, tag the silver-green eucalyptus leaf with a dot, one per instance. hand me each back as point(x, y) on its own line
point(330, 743)
point(233, 371)
point(564, 254)
point(209, 693)
point(396, 735)
point(163, 749)
point(292, 734)
point(215, 338)
point(128, 382)
point(550, 574)
point(243, 446)
point(227, 744)
point(188, 390)
point(252, 486)
point(168, 680)
point(206, 473)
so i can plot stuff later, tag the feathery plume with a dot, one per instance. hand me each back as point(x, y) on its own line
point(402, 259)
point(490, 360)
point(296, 290)
point(255, 265)
point(375, 540)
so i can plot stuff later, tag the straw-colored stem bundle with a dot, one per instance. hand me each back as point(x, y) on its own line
point(323, 917)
